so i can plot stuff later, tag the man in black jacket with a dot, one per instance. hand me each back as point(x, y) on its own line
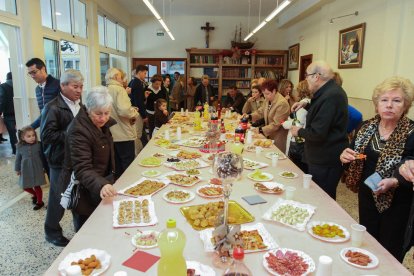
point(138, 87)
point(48, 87)
point(326, 123)
point(56, 117)
point(7, 108)
point(204, 92)
point(234, 100)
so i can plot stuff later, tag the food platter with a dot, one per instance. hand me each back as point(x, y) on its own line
point(150, 162)
point(209, 157)
point(166, 144)
point(264, 143)
point(215, 181)
point(185, 154)
point(288, 174)
point(255, 238)
point(237, 214)
point(178, 196)
point(145, 239)
point(101, 255)
point(181, 179)
point(290, 213)
point(260, 177)
point(187, 164)
point(210, 191)
point(280, 155)
point(249, 164)
point(194, 142)
point(323, 227)
point(151, 173)
point(285, 261)
point(269, 187)
point(144, 186)
point(374, 260)
point(134, 212)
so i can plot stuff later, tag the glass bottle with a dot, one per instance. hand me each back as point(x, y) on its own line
point(296, 122)
point(238, 268)
point(222, 127)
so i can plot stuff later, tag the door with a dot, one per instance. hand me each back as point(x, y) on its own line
point(305, 61)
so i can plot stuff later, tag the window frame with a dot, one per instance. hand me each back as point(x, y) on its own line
point(105, 48)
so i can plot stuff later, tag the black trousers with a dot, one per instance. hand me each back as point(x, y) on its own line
point(326, 177)
point(10, 123)
point(124, 155)
point(55, 211)
point(388, 227)
point(78, 220)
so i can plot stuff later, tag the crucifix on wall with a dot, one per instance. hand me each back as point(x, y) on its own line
point(207, 28)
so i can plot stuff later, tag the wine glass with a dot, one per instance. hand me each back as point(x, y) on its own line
point(228, 167)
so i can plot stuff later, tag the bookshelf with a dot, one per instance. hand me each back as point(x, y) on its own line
point(225, 71)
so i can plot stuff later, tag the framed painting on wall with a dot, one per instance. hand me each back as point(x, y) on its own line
point(293, 63)
point(351, 46)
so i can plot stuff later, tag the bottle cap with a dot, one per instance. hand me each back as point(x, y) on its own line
point(171, 223)
point(238, 253)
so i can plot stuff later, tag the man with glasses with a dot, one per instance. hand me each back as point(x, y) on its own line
point(48, 87)
point(326, 124)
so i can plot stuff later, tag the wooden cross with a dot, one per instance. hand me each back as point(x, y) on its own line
point(207, 28)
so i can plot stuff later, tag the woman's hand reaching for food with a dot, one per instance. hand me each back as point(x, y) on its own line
point(107, 191)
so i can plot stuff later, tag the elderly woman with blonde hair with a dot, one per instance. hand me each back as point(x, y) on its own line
point(378, 147)
point(124, 132)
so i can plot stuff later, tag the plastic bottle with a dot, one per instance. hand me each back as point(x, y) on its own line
point(237, 147)
point(296, 122)
point(171, 242)
point(219, 111)
point(206, 113)
point(222, 127)
point(239, 132)
point(238, 268)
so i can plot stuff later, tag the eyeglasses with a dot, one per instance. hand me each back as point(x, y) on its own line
point(307, 75)
point(32, 73)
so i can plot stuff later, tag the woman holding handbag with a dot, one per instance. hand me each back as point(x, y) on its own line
point(89, 152)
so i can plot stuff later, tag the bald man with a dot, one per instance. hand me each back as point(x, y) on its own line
point(326, 124)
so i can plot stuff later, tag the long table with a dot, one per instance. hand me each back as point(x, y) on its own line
point(99, 233)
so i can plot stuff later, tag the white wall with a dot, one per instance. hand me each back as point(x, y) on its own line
point(388, 43)
point(187, 33)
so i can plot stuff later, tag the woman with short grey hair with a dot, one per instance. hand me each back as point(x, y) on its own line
point(90, 154)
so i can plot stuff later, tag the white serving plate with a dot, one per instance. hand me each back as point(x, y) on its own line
point(268, 240)
point(268, 215)
point(288, 177)
point(142, 179)
point(269, 177)
point(164, 177)
point(102, 255)
point(257, 165)
point(173, 165)
point(374, 260)
point(306, 258)
point(151, 211)
point(192, 196)
point(147, 173)
point(334, 239)
point(271, 185)
point(201, 269)
point(139, 234)
point(208, 186)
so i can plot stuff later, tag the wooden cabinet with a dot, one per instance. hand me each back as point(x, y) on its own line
point(225, 71)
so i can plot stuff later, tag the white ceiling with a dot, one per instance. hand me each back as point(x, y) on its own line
point(202, 7)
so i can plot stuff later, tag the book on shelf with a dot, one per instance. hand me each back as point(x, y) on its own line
point(237, 72)
point(269, 60)
point(198, 72)
point(204, 59)
point(270, 74)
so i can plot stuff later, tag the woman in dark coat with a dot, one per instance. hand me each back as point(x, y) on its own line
point(89, 151)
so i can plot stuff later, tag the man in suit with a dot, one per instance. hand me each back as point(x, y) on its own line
point(7, 109)
point(326, 124)
point(204, 92)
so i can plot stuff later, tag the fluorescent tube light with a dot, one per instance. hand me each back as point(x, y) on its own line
point(277, 10)
point(152, 9)
point(158, 17)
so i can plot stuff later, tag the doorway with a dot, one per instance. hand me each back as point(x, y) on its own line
point(305, 61)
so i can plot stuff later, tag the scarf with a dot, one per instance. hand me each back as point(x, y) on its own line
point(389, 157)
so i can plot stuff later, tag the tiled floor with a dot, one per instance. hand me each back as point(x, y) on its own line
point(23, 249)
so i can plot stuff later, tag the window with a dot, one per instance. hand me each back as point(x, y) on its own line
point(46, 10)
point(63, 16)
point(68, 16)
point(104, 60)
point(121, 38)
point(51, 48)
point(111, 34)
point(101, 30)
point(8, 6)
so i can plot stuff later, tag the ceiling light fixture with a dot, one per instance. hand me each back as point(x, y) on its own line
point(275, 12)
point(158, 17)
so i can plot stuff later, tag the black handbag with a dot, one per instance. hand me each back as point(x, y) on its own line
point(296, 150)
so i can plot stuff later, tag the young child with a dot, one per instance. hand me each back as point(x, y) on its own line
point(29, 165)
point(161, 112)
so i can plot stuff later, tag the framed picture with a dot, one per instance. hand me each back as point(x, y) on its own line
point(293, 63)
point(351, 47)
